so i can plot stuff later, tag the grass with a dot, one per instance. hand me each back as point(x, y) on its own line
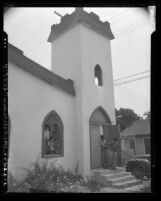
point(41, 178)
point(146, 188)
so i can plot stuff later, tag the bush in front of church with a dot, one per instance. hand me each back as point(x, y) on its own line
point(43, 179)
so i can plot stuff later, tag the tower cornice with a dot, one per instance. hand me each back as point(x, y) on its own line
point(78, 16)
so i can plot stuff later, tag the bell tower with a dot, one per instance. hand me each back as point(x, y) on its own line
point(81, 51)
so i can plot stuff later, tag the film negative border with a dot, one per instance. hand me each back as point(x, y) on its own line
point(5, 112)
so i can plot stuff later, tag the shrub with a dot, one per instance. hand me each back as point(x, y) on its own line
point(92, 184)
point(40, 178)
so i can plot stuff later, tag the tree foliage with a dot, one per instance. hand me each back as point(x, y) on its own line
point(147, 115)
point(125, 117)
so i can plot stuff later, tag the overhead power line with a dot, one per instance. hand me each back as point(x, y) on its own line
point(132, 75)
point(118, 14)
point(130, 26)
point(132, 92)
point(132, 80)
point(36, 46)
point(135, 96)
point(133, 28)
point(121, 35)
point(131, 99)
point(130, 29)
point(132, 12)
point(43, 50)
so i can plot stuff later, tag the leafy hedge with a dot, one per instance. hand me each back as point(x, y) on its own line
point(40, 178)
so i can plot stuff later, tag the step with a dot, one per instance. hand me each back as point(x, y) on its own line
point(116, 178)
point(116, 175)
point(121, 179)
point(127, 184)
point(107, 171)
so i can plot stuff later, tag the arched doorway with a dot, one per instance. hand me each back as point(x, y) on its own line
point(98, 120)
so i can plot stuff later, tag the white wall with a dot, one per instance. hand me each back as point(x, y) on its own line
point(66, 62)
point(29, 101)
point(74, 55)
point(139, 145)
point(125, 143)
point(95, 49)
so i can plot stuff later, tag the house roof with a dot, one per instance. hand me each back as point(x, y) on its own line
point(140, 127)
point(79, 15)
point(16, 56)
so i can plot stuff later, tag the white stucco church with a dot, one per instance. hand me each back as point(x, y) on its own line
point(73, 103)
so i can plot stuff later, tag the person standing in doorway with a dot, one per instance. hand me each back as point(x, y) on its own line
point(109, 154)
point(103, 151)
point(114, 148)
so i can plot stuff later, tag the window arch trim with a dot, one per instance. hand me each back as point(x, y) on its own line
point(59, 120)
point(102, 110)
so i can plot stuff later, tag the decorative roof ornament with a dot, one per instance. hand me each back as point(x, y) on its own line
point(80, 15)
point(79, 9)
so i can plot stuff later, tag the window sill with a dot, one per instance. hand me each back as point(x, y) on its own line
point(53, 156)
point(98, 85)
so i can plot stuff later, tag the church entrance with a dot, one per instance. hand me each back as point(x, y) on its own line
point(100, 124)
point(95, 147)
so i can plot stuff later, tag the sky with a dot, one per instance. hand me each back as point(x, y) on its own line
point(28, 29)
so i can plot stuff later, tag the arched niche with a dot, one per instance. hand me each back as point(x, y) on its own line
point(52, 135)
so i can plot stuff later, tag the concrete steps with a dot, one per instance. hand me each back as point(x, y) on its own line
point(113, 176)
point(120, 179)
point(127, 184)
point(116, 178)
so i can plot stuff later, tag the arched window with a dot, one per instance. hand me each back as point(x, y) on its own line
point(98, 75)
point(52, 135)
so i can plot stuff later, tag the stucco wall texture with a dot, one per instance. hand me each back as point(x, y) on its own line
point(74, 55)
point(139, 146)
point(80, 50)
point(29, 101)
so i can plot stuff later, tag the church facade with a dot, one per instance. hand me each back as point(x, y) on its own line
point(60, 114)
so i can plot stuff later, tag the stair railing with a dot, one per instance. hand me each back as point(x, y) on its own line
point(125, 153)
point(133, 157)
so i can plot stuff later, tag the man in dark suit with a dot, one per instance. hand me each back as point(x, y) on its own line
point(114, 148)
